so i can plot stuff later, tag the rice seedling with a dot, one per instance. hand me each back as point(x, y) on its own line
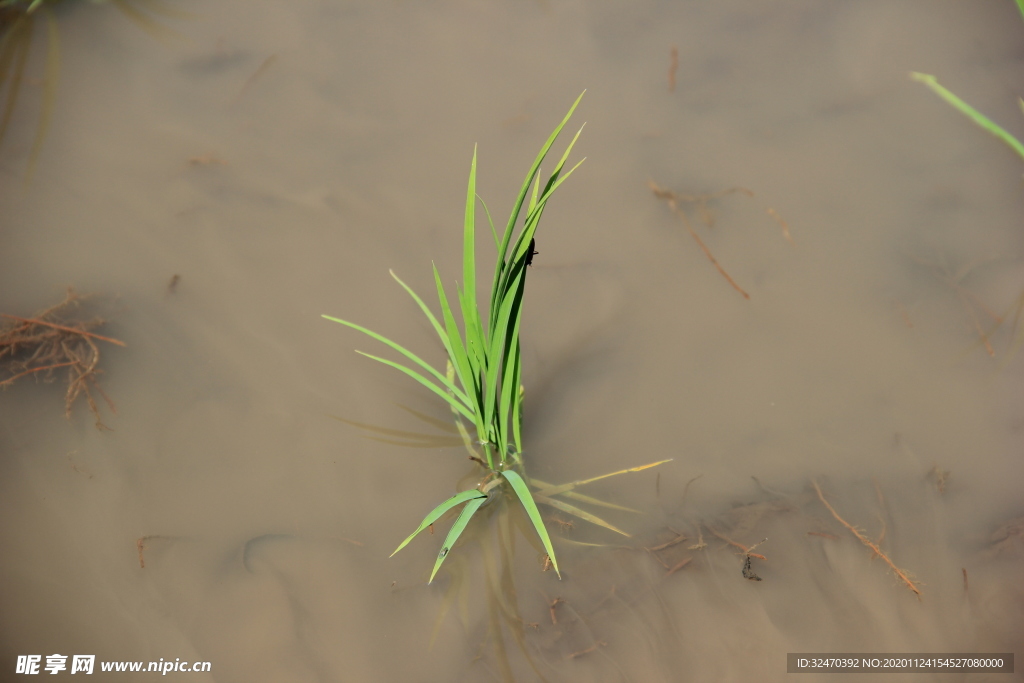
point(481, 384)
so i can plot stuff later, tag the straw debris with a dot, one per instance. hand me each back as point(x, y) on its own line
point(701, 202)
point(51, 340)
point(900, 574)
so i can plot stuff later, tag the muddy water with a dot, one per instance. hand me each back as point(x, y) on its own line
point(279, 158)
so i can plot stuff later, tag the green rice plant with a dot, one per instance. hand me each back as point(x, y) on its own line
point(482, 384)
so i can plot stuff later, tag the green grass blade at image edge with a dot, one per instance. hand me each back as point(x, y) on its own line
point(460, 524)
point(970, 112)
point(526, 498)
point(436, 513)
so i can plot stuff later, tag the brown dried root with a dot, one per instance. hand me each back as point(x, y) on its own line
point(52, 340)
point(701, 201)
point(900, 574)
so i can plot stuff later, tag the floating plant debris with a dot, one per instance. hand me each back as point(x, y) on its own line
point(49, 342)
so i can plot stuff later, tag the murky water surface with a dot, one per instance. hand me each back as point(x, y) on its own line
point(279, 158)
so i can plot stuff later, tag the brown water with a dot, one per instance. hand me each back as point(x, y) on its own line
point(345, 132)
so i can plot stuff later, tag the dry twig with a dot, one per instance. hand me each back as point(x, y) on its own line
point(870, 544)
point(748, 551)
point(682, 563)
point(551, 608)
point(701, 201)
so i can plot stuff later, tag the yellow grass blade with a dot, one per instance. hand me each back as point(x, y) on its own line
point(577, 512)
point(554, 490)
point(582, 498)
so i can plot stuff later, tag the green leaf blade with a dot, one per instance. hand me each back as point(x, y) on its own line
point(453, 535)
point(451, 400)
point(437, 512)
point(970, 112)
point(441, 332)
point(517, 207)
point(580, 513)
point(526, 498)
point(456, 349)
point(467, 405)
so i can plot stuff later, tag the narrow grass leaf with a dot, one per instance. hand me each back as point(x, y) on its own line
point(970, 112)
point(436, 513)
point(577, 512)
point(514, 216)
point(441, 332)
point(576, 495)
point(517, 404)
point(446, 395)
point(494, 232)
point(586, 545)
point(470, 313)
point(456, 350)
point(526, 498)
point(522, 245)
point(533, 195)
point(476, 347)
point(508, 391)
point(554, 490)
point(467, 405)
point(498, 342)
point(453, 535)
